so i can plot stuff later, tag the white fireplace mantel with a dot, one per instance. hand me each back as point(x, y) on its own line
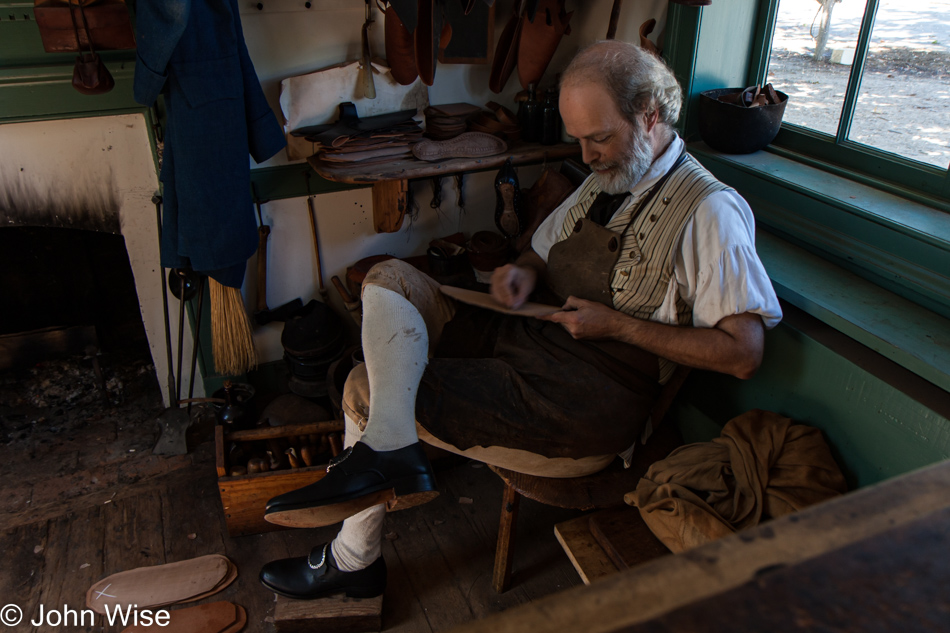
point(102, 158)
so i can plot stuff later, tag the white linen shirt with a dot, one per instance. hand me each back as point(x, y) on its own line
point(716, 270)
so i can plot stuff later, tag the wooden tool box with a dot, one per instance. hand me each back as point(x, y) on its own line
point(243, 497)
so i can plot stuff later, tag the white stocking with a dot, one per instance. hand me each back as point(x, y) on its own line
point(396, 349)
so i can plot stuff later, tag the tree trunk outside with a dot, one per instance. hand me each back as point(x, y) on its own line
point(824, 27)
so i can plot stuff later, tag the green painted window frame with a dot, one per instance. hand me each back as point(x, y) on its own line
point(911, 179)
point(848, 209)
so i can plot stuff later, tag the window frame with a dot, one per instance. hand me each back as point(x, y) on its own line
point(911, 179)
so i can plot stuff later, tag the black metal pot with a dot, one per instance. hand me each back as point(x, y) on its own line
point(735, 129)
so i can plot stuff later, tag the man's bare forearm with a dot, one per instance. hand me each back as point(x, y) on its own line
point(734, 346)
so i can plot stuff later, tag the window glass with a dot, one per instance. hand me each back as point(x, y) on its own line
point(904, 102)
point(812, 51)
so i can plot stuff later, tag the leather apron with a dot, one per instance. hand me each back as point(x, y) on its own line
point(583, 264)
point(501, 380)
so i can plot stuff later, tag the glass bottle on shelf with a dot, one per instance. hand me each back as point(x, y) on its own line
point(530, 116)
point(550, 119)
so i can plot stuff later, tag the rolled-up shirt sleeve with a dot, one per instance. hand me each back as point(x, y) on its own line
point(717, 269)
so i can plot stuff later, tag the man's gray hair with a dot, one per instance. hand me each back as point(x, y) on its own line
point(638, 80)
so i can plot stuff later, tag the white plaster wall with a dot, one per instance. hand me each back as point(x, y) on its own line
point(284, 40)
point(105, 152)
point(345, 227)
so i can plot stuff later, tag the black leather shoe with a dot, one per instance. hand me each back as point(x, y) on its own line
point(358, 478)
point(316, 576)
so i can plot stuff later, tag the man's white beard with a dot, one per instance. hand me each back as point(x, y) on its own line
point(629, 169)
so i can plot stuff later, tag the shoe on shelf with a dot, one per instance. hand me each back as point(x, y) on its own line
point(317, 576)
point(358, 478)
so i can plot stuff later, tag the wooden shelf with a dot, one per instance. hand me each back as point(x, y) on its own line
point(410, 168)
point(390, 180)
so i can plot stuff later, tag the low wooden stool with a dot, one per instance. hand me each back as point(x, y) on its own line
point(336, 614)
point(604, 489)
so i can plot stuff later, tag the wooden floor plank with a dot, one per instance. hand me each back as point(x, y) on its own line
point(467, 532)
point(21, 577)
point(192, 524)
point(539, 566)
point(133, 533)
point(249, 553)
point(74, 560)
point(402, 611)
point(439, 563)
point(430, 575)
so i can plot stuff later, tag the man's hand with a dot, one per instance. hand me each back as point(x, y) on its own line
point(511, 284)
point(587, 319)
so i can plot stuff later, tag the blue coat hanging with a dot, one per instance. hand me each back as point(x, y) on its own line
point(193, 51)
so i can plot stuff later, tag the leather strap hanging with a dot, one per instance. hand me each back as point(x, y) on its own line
point(400, 48)
point(539, 39)
point(90, 75)
point(506, 52)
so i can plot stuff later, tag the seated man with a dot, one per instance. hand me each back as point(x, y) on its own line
point(654, 262)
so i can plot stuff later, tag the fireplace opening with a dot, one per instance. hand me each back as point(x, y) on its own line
point(66, 291)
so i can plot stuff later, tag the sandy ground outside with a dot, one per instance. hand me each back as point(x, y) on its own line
point(904, 103)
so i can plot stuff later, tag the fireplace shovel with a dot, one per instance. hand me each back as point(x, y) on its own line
point(174, 421)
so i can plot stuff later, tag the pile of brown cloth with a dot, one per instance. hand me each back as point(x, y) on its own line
point(763, 466)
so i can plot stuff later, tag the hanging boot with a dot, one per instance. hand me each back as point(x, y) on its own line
point(509, 214)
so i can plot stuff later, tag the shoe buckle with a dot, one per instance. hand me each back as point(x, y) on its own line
point(339, 458)
point(323, 558)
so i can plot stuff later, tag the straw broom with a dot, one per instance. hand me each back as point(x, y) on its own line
point(231, 341)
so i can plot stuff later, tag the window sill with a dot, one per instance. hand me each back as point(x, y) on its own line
point(868, 263)
point(912, 336)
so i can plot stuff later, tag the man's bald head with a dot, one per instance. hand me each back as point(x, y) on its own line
point(639, 82)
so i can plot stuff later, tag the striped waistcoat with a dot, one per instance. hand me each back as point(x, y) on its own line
point(643, 271)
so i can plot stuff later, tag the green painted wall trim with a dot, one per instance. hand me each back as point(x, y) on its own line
point(36, 85)
point(915, 338)
point(46, 92)
point(875, 429)
point(293, 181)
point(761, 50)
point(702, 58)
point(682, 37)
